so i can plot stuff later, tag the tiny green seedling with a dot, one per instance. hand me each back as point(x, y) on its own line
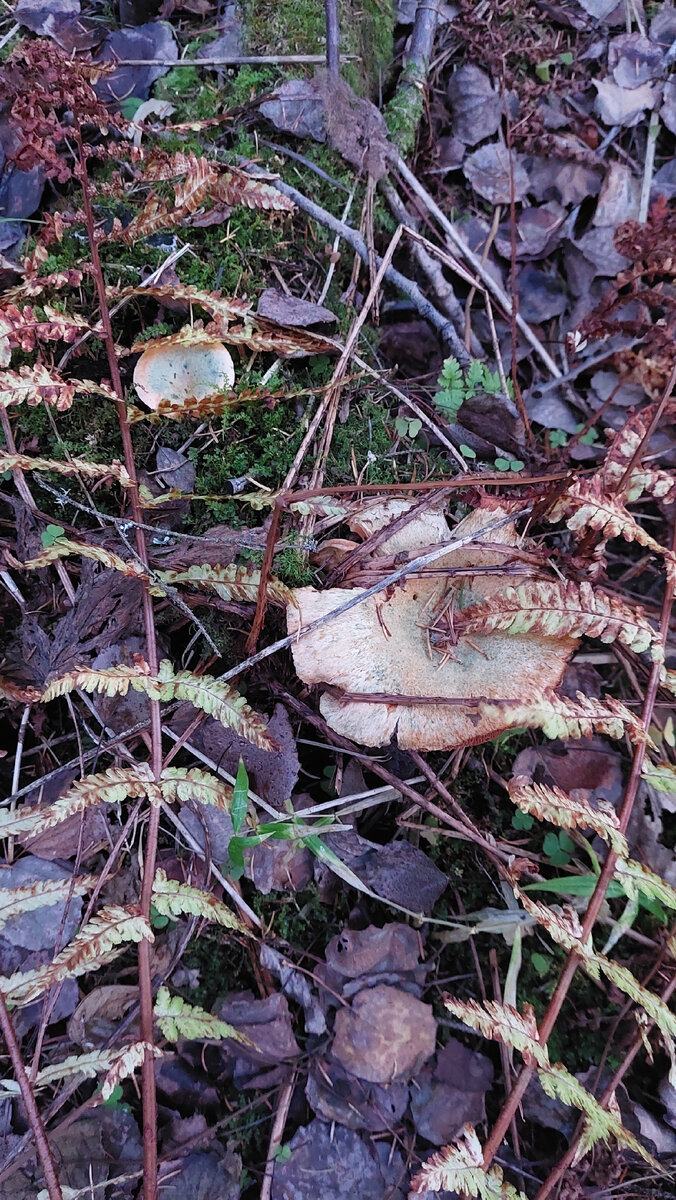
point(455, 386)
point(51, 534)
point(408, 426)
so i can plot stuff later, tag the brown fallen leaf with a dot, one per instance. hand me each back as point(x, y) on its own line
point(387, 1034)
point(381, 646)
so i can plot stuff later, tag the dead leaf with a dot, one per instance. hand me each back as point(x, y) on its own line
point(619, 197)
point(96, 1017)
point(155, 41)
point(450, 1091)
point(561, 180)
point(541, 294)
point(174, 470)
point(476, 105)
point(598, 247)
point(267, 1024)
point(291, 310)
point(297, 107)
point(201, 1174)
point(355, 127)
point(335, 1095)
point(623, 106)
point(336, 1164)
point(296, 985)
point(355, 952)
point(386, 1034)
point(634, 59)
point(39, 928)
point(668, 109)
point(490, 170)
point(381, 647)
point(537, 231)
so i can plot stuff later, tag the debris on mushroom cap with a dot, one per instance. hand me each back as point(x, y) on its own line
point(183, 372)
point(382, 646)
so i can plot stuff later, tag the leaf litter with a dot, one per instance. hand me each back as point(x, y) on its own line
point(537, 139)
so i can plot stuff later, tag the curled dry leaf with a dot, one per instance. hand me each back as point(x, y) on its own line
point(383, 646)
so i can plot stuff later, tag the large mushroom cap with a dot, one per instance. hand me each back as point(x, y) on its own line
point(183, 372)
point(381, 646)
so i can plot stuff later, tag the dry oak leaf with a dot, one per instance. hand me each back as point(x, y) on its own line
point(381, 646)
point(387, 1034)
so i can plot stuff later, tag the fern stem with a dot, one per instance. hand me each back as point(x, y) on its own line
point(35, 1120)
point(598, 896)
point(145, 978)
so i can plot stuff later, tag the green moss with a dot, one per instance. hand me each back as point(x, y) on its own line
point(403, 115)
point(292, 568)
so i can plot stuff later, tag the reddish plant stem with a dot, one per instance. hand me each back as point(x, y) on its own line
point(34, 1118)
point(266, 572)
point(554, 1007)
point(145, 976)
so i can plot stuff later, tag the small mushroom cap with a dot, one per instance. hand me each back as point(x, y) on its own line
point(178, 373)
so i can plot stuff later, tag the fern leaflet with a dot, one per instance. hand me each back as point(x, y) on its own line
point(172, 899)
point(178, 1019)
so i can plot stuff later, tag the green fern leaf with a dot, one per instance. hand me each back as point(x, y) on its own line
point(218, 700)
point(173, 899)
point(178, 1019)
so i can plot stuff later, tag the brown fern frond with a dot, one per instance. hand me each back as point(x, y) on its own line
point(18, 900)
point(33, 385)
point(211, 302)
point(16, 694)
point(216, 699)
point(502, 1023)
point(22, 329)
point(586, 507)
point(63, 547)
point(192, 783)
point(97, 943)
point(236, 186)
point(76, 466)
point(194, 408)
point(113, 681)
point(241, 584)
point(459, 1169)
point(563, 610)
point(551, 804)
point(109, 787)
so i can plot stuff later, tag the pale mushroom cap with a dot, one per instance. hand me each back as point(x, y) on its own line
point(380, 647)
point(180, 372)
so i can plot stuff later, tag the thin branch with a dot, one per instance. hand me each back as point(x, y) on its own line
point(332, 36)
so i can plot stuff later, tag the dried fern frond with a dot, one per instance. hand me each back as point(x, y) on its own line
point(63, 547)
point(562, 930)
point(241, 584)
point(178, 1019)
point(22, 329)
point(586, 507)
point(173, 899)
point(502, 1023)
point(661, 776)
point(97, 943)
point(158, 213)
point(551, 804)
point(636, 878)
point(16, 694)
point(562, 718)
point(194, 408)
point(111, 681)
point(211, 302)
point(109, 787)
point(601, 1124)
point(118, 1064)
point(33, 385)
point(18, 900)
point(236, 186)
point(192, 783)
point(459, 1168)
point(75, 466)
point(567, 610)
point(218, 700)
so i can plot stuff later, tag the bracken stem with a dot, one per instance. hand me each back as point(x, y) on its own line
point(38, 1129)
point(145, 978)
